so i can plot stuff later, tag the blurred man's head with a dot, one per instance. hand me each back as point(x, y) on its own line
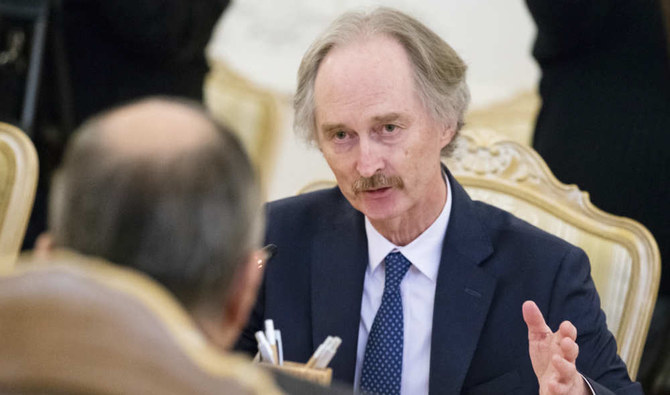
point(159, 186)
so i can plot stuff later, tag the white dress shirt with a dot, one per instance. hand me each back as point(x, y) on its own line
point(418, 297)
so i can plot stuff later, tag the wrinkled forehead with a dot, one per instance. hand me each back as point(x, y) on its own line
point(368, 57)
point(371, 66)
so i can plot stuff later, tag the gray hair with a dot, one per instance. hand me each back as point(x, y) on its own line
point(439, 73)
point(188, 221)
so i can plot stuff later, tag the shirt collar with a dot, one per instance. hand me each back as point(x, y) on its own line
point(424, 252)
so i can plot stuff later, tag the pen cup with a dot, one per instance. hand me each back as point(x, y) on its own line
point(299, 370)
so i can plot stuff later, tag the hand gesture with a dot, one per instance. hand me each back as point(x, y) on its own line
point(553, 354)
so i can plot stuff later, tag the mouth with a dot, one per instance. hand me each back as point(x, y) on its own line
point(377, 193)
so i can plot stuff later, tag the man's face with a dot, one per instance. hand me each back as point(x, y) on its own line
point(379, 140)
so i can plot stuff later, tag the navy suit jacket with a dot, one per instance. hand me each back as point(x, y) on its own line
point(491, 263)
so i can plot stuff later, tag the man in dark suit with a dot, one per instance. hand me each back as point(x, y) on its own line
point(430, 291)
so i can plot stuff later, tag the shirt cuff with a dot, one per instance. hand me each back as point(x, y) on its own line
point(588, 384)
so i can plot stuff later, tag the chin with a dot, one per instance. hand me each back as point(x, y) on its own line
point(377, 211)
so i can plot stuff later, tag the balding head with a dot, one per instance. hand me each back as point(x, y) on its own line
point(159, 186)
point(156, 127)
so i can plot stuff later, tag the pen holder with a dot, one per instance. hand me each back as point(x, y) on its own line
point(299, 370)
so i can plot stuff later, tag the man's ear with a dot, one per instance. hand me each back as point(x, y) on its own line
point(447, 132)
point(241, 294)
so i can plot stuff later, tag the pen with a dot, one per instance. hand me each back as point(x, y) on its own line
point(329, 352)
point(316, 354)
point(270, 336)
point(264, 347)
point(280, 347)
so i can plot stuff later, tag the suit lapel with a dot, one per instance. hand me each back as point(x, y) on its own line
point(338, 271)
point(462, 297)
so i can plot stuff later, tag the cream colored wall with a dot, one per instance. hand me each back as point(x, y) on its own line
point(262, 41)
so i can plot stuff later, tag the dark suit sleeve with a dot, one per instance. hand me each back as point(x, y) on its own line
point(576, 299)
point(633, 389)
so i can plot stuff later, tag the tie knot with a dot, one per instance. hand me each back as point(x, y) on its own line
point(396, 268)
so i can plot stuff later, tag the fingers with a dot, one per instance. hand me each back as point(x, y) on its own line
point(553, 354)
point(566, 377)
point(567, 337)
point(569, 350)
point(532, 315)
point(568, 330)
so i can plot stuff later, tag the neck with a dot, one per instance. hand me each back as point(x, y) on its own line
point(405, 228)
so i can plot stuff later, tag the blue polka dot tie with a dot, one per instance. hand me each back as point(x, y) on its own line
point(382, 363)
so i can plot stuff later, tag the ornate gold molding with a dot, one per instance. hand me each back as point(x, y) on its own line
point(250, 110)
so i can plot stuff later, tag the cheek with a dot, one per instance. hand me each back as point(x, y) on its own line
point(340, 165)
point(418, 161)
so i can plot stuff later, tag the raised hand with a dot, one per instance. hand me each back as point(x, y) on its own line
point(553, 354)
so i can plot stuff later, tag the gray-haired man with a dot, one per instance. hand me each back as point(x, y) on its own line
point(424, 286)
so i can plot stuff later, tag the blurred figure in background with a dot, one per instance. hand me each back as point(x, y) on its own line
point(101, 53)
point(121, 50)
point(605, 118)
point(160, 187)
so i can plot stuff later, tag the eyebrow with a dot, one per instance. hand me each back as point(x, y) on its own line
point(385, 118)
point(329, 127)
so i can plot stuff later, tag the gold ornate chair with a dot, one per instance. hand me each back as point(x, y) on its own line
point(18, 180)
point(73, 324)
point(513, 117)
point(252, 111)
point(625, 261)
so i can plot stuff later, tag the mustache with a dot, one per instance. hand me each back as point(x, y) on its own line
point(377, 181)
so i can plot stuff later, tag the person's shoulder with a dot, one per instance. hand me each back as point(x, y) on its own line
point(505, 227)
point(522, 252)
point(322, 206)
point(308, 200)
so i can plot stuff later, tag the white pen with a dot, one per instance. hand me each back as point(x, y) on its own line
point(264, 347)
point(317, 354)
point(270, 335)
point(270, 332)
point(324, 352)
point(280, 347)
point(328, 353)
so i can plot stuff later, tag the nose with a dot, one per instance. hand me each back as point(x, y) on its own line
point(370, 158)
